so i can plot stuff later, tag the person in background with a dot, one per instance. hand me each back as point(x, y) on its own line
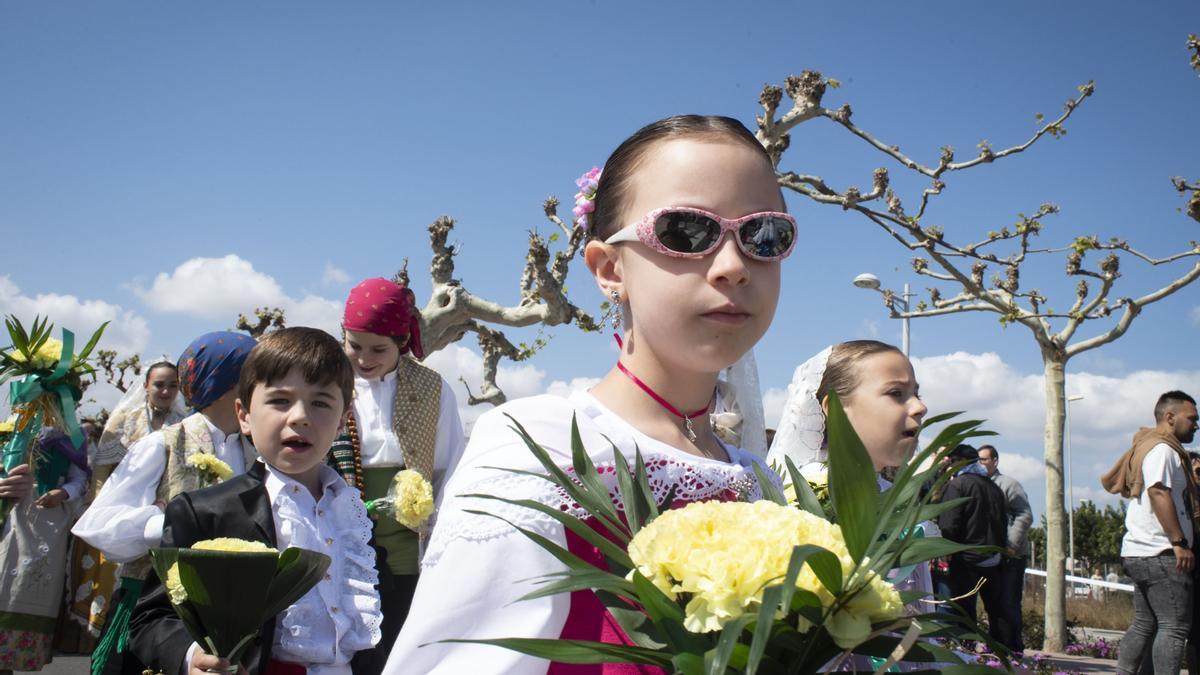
point(982, 520)
point(1155, 475)
point(33, 548)
point(1010, 575)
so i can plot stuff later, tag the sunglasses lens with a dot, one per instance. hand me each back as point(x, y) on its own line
point(767, 237)
point(686, 232)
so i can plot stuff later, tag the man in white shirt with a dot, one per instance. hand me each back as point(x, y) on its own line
point(1156, 551)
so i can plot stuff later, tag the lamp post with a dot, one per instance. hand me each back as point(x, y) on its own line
point(871, 282)
point(1070, 482)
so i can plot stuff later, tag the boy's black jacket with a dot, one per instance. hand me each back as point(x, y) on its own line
point(238, 508)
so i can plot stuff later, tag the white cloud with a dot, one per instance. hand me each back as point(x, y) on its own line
point(457, 363)
point(1013, 405)
point(127, 333)
point(773, 402)
point(222, 288)
point(334, 276)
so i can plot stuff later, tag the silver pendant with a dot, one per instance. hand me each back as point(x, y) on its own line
point(687, 429)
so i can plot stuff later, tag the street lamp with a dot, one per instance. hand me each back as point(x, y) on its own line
point(871, 282)
point(1070, 481)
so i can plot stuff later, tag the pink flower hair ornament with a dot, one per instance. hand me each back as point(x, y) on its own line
point(585, 199)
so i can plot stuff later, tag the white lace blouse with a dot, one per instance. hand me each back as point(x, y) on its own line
point(341, 614)
point(476, 567)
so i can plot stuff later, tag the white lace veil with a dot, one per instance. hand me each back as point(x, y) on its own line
point(128, 423)
point(801, 431)
point(738, 415)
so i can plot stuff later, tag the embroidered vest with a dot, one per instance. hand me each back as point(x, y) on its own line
point(416, 409)
point(181, 441)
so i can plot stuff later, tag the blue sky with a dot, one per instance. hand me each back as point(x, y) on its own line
point(316, 141)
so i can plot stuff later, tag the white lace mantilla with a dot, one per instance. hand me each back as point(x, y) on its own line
point(346, 600)
point(693, 481)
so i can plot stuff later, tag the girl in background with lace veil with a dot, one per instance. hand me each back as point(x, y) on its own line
point(878, 390)
point(92, 577)
point(686, 234)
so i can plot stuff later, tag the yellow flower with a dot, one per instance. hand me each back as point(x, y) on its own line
point(413, 497)
point(9, 425)
point(233, 545)
point(723, 555)
point(175, 590)
point(46, 357)
point(214, 469)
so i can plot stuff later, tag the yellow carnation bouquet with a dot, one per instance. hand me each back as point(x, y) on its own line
point(212, 470)
point(224, 589)
point(767, 587)
point(45, 378)
point(409, 500)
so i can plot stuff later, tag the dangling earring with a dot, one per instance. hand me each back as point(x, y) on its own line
point(615, 310)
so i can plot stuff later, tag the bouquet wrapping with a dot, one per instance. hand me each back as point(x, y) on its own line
point(46, 381)
point(225, 589)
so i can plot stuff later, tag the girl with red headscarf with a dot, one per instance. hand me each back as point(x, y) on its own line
point(405, 416)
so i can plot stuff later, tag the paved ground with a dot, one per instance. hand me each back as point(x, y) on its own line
point(68, 665)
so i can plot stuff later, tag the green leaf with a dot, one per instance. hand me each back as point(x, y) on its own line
point(688, 664)
point(769, 490)
point(577, 651)
point(297, 571)
point(91, 344)
point(853, 486)
point(666, 615)
point(717, 658)
point(631, 501)
point(805, 497)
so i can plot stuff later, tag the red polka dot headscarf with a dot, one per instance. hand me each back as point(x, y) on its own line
point(385, 307)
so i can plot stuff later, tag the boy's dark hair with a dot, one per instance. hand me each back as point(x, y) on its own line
point(618, 170)
point(1169, 400)
point(317, 355)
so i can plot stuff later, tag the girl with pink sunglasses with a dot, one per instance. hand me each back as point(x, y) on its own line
point(686, 232)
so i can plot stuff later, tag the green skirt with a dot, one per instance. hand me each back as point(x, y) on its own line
point(402, 545)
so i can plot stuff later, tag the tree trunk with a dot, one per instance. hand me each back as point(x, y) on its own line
point(1056, 525)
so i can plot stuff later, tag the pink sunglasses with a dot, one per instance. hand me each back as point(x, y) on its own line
point(684, 232)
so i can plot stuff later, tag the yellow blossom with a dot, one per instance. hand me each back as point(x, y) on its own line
point(45, 358)
point(233, 545)
point(213, 468)
point(9, 425)
point(723, 555)
point(413, 497)
point(175, 590)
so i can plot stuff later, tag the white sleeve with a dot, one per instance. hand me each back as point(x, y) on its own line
point(471, 589)
point(76, 483)
point(1158, 465)
point(123, 521)
point(451, 441)
point(472, 593)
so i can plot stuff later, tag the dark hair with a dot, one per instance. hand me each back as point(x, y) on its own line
point(841, 371)
point(995, 452)
point(316, 353)
point(964, 452)
point(160, 364)
point(1169, 400)
point(618, 170)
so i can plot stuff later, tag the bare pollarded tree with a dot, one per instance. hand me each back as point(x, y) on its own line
point(453, 311)
point(960, 271)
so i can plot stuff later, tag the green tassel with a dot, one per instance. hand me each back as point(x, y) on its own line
point(116, 635)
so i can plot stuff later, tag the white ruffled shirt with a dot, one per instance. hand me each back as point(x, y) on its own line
point(123, 521)
point(373, 405)
point(340, 615)
point(477, 567)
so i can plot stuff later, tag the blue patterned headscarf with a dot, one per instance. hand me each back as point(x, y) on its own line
point(211, 365)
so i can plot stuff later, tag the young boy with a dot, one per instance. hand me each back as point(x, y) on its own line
point(293, 394)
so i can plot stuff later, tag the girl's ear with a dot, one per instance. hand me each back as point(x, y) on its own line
point(604, 262)
point(825, 406)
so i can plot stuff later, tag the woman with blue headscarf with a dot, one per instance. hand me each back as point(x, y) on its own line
point(126, 518)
